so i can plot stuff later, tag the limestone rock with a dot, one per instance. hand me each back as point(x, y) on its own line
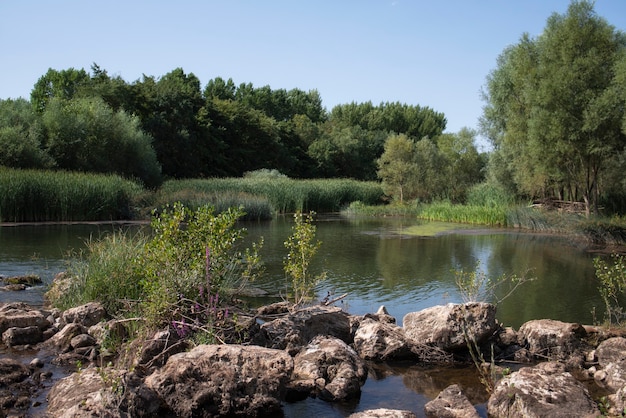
point(612, 350)
point(12, 371)
point(331, 368)
point(87, 315)
point(20, 315)
point(22, 336)
point(381, 341)
point(545, 390)
point(62, 340)
point(296, 330)
point(445, 325)
point(451, 403)
point(547, 338)
point(223, 380)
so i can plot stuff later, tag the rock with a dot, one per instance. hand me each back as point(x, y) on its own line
point(550, 339)
point(617, 402)
point(156, 350)
point(62, 340)
point(383, 413)
point(612, 377)
point(87, 315)
point(223, 380)
point(612, 350)
point(60, 286)
point(445, 326)
point(82, 340)
point(12, 371)
point(113, 330)
point(36, 363)
point(14, 287)
point(451, 403)
point(277, 308)
point(28, 280)
point(331, 368)
point(378, 341)
point(296, 330)
point(20, 315)
point(100, 392)
point(545, 390)
point(22, 336)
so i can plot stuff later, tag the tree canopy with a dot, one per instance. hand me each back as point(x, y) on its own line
point(555, 108)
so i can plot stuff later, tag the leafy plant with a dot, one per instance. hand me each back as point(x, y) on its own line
point(302, 248)
point(475, 285)
point(612, 278)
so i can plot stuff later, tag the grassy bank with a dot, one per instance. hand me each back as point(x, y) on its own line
point(38, 196)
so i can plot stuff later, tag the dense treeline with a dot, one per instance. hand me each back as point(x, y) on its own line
point(94, 122)
point(555, 111)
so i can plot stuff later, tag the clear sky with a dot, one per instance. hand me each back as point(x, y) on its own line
point(434, 53)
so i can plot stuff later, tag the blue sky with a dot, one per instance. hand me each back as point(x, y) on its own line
point(427, 53)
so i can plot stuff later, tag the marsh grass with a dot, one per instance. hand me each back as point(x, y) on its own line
point(59, 196)
point(285, 195)
point(468, 214)
point(359, 208)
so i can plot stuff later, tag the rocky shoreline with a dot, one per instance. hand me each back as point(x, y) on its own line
point(280, 354)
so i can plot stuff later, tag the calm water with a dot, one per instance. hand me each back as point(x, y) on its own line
point(376, 263)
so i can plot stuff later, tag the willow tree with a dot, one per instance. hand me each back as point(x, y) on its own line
point(552, 110)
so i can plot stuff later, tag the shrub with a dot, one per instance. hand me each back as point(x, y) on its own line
point(612, 278)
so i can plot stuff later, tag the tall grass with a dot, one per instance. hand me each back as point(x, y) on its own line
point(36, 196)
point(285, 195)
point(470, 214)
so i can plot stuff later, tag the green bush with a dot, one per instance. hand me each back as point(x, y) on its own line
point(471, 214)
point(43, 195)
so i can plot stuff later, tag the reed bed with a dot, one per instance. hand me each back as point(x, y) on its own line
point(284, 195)
point(468, 214)
point(61, 196)
point(256, 208)
point(378, 211)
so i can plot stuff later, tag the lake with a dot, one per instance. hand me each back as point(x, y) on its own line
point(400, 263)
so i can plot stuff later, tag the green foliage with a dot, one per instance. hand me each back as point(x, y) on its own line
point(555, 110)
point(85, 134)
point(392, 209)
point(284, 194)
point(397, 168)
point(107, 271)
point(489, 194)
point(471, 214)
point(173, 276)
point(36, 196)
point(302, 248)
point(612, 287)
point(192, 250)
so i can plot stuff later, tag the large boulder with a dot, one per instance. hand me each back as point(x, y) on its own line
point(87, 315)
point(22, 336)
point(381, 341)
point(546, 390)
point(62, 340)
point(550, 339)
point(295, 330)
point(329, 367)
point(20, 315)
point(450, 403)
point(612, 350)
point(447, 326)
point(223, 380)
point(611, 356)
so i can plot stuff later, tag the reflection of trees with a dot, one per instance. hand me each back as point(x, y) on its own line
point(548, 296)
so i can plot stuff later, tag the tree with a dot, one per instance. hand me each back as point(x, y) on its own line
point(21, 136)
point(397, 168)
point(84, 134)
point(553, 111)
point(64, 84)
